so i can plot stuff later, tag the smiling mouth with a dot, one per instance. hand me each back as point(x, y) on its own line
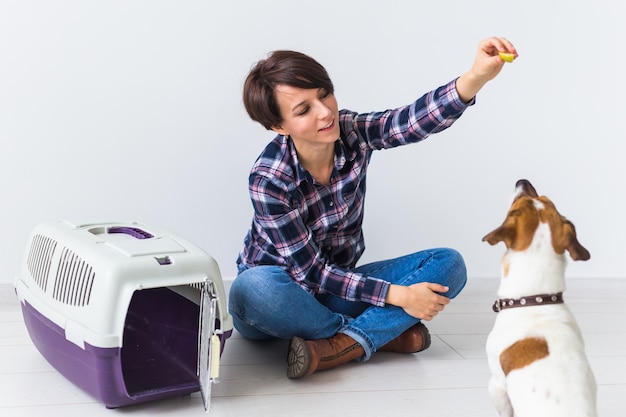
point(328, 126)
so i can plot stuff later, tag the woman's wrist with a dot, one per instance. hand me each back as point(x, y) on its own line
point(395, 295)
point(468, 85)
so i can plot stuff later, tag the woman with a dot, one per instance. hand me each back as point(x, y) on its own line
point(298, 275)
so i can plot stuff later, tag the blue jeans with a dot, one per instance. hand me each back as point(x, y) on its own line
point(266, 303)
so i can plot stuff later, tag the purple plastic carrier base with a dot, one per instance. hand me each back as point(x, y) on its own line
point(158, 360)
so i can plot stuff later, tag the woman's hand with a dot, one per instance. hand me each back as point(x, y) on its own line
point(421, 301)
point(487, 65)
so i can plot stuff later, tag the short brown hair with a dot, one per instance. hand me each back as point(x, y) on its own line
point(280, 67)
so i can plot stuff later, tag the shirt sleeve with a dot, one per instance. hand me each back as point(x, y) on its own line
point(433, 112)
point(281, 223)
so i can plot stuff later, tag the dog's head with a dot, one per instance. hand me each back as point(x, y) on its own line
point(529, 210)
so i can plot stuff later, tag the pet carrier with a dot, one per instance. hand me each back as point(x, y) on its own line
point(129, 313)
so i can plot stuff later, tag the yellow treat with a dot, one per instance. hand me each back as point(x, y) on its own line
point(506, 56)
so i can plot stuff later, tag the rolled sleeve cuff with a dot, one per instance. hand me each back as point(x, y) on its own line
point(455, 98)
point(375, 291)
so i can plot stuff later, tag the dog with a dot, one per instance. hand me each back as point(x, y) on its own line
point(535, 349)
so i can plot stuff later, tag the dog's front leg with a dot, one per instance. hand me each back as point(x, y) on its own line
point(500, 397)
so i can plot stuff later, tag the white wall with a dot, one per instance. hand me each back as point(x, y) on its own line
point(132, 110)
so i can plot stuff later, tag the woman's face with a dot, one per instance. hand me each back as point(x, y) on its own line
point(309, 115)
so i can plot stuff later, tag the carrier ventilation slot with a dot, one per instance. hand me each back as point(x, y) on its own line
point(74, 280)
point(39, 259)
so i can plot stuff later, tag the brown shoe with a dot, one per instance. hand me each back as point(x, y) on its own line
point(415, 339)
point(307, 356)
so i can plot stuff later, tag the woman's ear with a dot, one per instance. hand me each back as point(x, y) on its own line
point(280, 130)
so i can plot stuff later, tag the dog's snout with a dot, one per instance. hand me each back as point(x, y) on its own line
point(524, 187)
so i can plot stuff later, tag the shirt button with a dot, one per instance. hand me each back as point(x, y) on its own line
point(330, 203)
point(329, 248)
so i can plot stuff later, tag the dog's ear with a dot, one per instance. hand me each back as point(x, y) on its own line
point(575, 249)
point(563, 232)
point(501, 234)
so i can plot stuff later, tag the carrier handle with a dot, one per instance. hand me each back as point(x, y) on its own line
point(133, 231)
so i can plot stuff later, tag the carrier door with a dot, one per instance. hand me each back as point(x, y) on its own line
point(209, 344)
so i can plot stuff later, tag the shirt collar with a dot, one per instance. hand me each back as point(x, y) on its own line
point(343, 154)
point(300, 173)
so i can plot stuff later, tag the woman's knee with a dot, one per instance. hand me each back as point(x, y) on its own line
point(248, 299)
point(455, 275)
point(255, 285)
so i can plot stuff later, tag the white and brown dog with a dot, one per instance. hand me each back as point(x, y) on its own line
point(535, 350)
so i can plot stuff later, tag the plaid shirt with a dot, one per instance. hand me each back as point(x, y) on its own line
point(314, 231)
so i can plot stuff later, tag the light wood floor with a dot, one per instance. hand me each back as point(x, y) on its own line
point(447, 380)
